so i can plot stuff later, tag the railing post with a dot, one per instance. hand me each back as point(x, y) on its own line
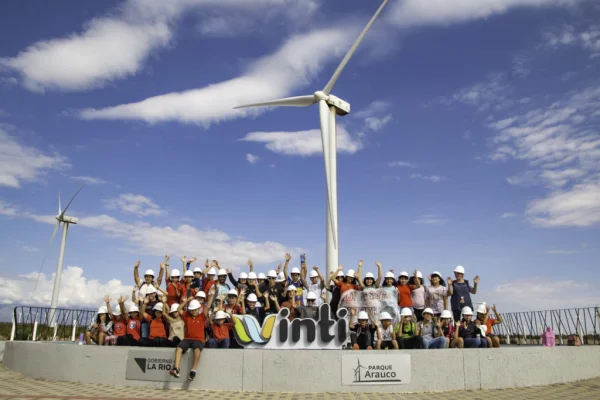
point(35, 324)
point(507, 338)
point(14, 326)
point(74, 330)
point(54, 335)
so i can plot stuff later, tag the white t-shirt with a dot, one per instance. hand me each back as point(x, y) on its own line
point(386, 335)
point(316, 289)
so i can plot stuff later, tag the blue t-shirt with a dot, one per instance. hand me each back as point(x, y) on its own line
point(461, 290)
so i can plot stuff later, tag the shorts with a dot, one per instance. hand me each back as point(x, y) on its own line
point(387, 344)
point(193, 344)
point(110, 340)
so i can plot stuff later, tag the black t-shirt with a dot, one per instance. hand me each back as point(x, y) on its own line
point(364, 336)
point(258, 313)
point(276, 290)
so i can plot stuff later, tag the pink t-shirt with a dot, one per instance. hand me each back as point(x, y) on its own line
point(436, 298)
point(418, 298)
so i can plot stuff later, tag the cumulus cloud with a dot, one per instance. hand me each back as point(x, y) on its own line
point(20, 163)
point(133, 204)
point(252, 159)
point(303, 143)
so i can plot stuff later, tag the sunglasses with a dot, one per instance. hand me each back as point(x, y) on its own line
point(271, 278)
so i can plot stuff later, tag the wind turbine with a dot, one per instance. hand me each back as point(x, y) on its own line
point(65, 220)
point(329, 107)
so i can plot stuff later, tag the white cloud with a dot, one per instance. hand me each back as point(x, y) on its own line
point(8, 210)
point(410, 13)
point(563, 252)
point(491, 94)
point(292, 66)
point(76, 291)
point(303, 143)
point(579, 206)
point(430, 219)
point(508, 215)
point(377, 107)
point(377, 123)
point(431, 178)
point(542, 293)
point(112, 47)
point(252, 159)
point(20, 163)
point(133, 204)
point(587, 38)
point(30, 249)
point(402, 164)
point(90, 180)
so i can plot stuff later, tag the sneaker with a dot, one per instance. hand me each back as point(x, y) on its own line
point(192, 375)
point(174, 372)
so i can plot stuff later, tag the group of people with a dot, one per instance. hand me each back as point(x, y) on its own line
point(195, 309)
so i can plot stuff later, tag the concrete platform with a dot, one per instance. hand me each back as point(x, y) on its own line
point(310, 371)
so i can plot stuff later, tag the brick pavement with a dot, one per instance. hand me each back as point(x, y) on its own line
point(15, 386)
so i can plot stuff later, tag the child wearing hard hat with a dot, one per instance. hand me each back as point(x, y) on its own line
point(361, 333)
point(221, 330)
point(296, 278)
point(469, 333)
point(195, 320)
point(209, 274)
point(316, 286)
point(348, 284)
point(271, 288)
point(173, 286)
point(310, 310)
point(100, 328)
point(404, 290)
point(334, 303)
point(290, 303)
point(437, 294)
point(148, 278)
point(385, 333)
point(185, 286)
point(407, 331)
point(448, 329)
point(418, 295)
point(221, 284)
point(369, 282)
point(483, 315)
point(389, 283)
point(176, 324)
point(460, 291)
point(431, 331)
point(251, 308)
point(119, 325)
point(157, 336)
point(133, 327)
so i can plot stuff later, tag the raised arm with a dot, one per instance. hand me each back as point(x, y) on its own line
point(450, 288)
point(273, 299)
point(136, 273)
point(499, 318)
point(475, 283)
point(288, 257)
point(161, 274)
point(321, 279)
point(332, 276)
point(232, 279)
point(143, 308)
point(359, 274)
point(183, 304)
point(107, 301)
point(250, 265)
point(417, 281)
point(121, 301)
point(211, 298)
point(379, 274)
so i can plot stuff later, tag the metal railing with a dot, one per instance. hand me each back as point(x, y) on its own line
point(35, 323)
point(527, 327)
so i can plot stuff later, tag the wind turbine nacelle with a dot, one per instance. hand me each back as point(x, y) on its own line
point(341, 107)
point(70, 220)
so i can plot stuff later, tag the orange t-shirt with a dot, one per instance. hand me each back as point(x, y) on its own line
point(172, 297)
point(134, 328)
point(489, 323)
point(221, 332)
point(208, 285)
point(294, 313)
point(194, 326)
point(157, 327)
point(346, 286)
point(404, 299)
point(119, 327)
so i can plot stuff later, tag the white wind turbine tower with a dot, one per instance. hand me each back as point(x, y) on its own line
point(329, 107)
point(65, 220)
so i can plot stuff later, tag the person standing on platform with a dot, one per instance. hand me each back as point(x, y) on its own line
point(460, 291)
point(437, 295)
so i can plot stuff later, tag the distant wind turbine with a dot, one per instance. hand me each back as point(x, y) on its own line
point(329, 107)
point(65, 220)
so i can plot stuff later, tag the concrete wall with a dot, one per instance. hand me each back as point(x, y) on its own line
point(312, 371)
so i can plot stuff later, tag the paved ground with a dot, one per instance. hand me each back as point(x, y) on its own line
point(15, 386)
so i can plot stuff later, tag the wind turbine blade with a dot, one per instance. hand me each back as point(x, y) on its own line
point(325, 136)
point(298, 101)
point(59, 208)
point(62, 214)
point(350, 52)
point(46, 253)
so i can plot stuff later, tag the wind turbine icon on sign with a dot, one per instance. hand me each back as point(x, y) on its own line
point(357, 371)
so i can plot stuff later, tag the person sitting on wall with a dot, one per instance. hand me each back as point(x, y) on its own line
point(469, 332)
point(407, 331)
point(157, 336)
point(101, 328)
point(176, 324)
point(431, 331)
point(448, 330)
point(133, 327)
point(148, 279)
point(195, 320)
point(483, 315)
point(385, 333)
point(173, 286)
point(362, 334)
point(310, 310)
point(290, 303)
point(221, 330)
point(251, 309)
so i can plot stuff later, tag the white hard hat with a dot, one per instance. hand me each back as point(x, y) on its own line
point(212, 271)
point(194, 305)
point(311, 296)
point(314, 274)
point(291, 288)
point(363, 315)
point(149, 272)
point(252, 275)
point(428, 311)
point(295, 270)
point(384, 315)
point(467, 311)
point(243, 275)
point(150, 290)
point(436, 273)
point(350, 273)
point(174, 307)
point(419, 274)
point(252, 297)
point(482, 309)
point(134, 308)
point(272, 273)
point(103, 310)
point(406, 312)
point(370, 275)
point(460, 269)
point(175, 272)
point(232, 292)
point(201, 294)
point(158, 307)
point(188, 273)
point(280, 277)
point(261, 276)
point(341, 273)
point(404, 273)
point(197, 269)
point(117, 311)
point(222, 272)
point(389, 275)
point(446, 314)
point(220, 315)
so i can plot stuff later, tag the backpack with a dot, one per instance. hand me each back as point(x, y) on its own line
point(573, 340)
point(548, 338)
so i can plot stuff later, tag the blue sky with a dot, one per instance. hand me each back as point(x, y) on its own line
point(473, 140)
